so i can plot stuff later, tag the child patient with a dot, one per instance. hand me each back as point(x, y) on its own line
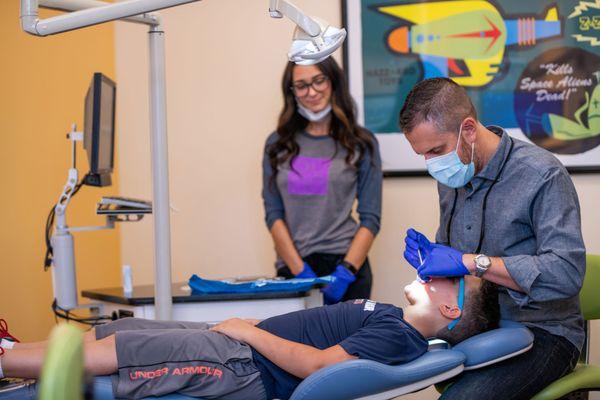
point(247, 359)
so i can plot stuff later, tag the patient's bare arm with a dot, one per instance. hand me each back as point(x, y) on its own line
point(296, 358)
point(100, 358)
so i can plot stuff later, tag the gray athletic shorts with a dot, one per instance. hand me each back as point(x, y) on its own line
point(160, 357)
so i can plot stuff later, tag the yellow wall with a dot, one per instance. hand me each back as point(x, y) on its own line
point(43, 83)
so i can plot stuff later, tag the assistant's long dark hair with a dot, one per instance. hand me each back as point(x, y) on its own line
point(344, 128)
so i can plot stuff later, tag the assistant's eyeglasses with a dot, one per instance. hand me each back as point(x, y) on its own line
point(319, 83)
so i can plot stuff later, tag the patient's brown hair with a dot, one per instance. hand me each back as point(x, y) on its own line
point(481, 312)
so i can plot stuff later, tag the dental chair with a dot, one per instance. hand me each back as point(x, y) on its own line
point(356, 379)
point(62, 377)
point(363, 379)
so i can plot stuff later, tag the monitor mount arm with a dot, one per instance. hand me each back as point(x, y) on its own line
point(63, 272)
point(60, 209)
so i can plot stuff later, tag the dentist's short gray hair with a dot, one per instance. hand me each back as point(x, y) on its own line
point(440, 101)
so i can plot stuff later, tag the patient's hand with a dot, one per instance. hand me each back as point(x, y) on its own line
point(236, 328)
point(252, 321)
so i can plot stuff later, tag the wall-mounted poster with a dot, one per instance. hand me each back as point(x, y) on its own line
point(532, 67)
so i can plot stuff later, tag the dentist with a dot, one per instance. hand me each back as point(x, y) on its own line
point(509, 214)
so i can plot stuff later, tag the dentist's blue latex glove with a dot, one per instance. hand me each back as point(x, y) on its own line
point(334, 292)
point(414, 241)
point(442, 261)
point(306, 272)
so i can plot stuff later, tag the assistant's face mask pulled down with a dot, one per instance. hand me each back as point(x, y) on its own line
point(313, 116)
point(449, 170)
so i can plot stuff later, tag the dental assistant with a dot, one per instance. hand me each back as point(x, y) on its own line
point(316, 164)
point(509, 214)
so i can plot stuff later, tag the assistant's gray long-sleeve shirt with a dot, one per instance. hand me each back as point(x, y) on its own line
point(533, 222)
point(316, 196)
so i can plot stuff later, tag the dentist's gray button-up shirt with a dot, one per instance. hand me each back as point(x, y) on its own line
point(533, 222)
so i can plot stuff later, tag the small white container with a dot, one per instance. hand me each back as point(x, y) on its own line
point(127, 280)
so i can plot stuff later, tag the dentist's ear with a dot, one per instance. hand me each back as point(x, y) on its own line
point(450, 311)
point(469, 130)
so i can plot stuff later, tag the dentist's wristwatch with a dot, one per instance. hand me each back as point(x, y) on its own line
point(482, 264)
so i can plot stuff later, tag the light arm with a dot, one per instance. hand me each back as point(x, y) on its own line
point(88, 17)
point(279, 8)
point(70, 5)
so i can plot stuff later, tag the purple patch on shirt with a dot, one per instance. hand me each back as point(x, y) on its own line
point(308, 176)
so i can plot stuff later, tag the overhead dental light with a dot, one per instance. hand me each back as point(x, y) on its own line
point(314, 39)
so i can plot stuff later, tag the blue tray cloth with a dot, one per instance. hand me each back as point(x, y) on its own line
point(207, 286)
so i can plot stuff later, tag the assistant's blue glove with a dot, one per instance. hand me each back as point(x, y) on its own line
point(306, 272)
point(334, 292)
point(442, 261)
point(414, 241)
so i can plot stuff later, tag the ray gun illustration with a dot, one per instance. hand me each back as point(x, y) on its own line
point(464, 40)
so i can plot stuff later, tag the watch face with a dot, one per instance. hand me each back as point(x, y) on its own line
point(483, 260)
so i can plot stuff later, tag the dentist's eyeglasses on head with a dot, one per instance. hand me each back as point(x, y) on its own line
point(319, 83)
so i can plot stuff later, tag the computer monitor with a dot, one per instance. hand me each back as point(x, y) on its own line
point(99, 129)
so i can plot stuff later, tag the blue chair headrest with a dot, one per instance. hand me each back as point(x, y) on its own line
point(511, 339)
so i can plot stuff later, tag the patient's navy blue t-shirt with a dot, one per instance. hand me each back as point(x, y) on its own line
point(364, 328)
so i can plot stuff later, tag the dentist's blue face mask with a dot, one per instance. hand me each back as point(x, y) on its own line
point(449, 170)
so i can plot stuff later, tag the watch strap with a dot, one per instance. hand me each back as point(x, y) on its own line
point(348, 265)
